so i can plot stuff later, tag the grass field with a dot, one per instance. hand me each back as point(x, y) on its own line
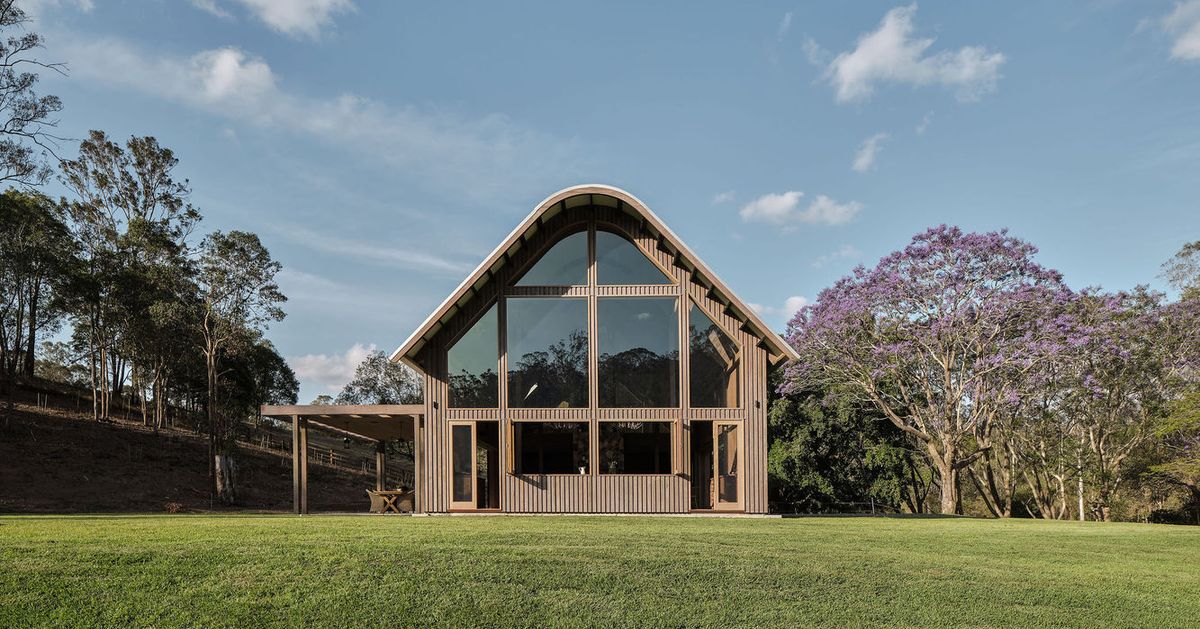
point(575, 571)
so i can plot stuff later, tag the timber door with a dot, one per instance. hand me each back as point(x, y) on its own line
point(727, 451)
point(462, 465)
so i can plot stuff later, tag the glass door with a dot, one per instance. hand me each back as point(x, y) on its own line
point(462, 465)
point(727, 455)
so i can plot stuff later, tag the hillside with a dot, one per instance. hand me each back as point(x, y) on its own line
point(55, 460)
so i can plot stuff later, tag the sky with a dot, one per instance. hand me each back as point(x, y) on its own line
point(381, 149)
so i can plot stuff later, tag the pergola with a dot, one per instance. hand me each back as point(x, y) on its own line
point(375, 422)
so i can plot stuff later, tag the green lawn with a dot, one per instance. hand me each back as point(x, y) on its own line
point(575, 571)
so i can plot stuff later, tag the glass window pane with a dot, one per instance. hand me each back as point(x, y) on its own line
point(473, 365)
point(564, 264)
point(464, 480)
point(547, 352)
point(551, 447)
point(727, 463)
point(713, 363)
point(635, 448)
point(618, 261)
point(639, 352)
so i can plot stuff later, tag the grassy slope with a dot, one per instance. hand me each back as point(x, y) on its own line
point(248, 570)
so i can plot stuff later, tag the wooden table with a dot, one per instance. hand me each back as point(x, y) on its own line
point(390, 498)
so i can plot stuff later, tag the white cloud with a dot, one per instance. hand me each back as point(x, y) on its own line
point(784, 209)
point(1183, 23)
point(790, 307)
point(723, 197)
point(479, 157)
point(785, 25)
point(864, 159)
point(892, 55)
point(397, 255)
point(211, 7)
point(924, 124)
point(845, 251)
point(298, 18)
point(34, 8)
point(329, 372)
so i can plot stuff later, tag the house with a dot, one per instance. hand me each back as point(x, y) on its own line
point(591, 363)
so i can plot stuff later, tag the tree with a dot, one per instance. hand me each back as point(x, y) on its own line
point(238, 299)
point(25, 117)
point(132, 220)
point(1180, 438)
point(36, 254)
point(378, 380)
point(937, 337)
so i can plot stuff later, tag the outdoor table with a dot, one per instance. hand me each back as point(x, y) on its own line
point(390, 496)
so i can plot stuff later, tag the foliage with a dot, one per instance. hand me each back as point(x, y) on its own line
point(25, 117)
point(938, 337)
point(378, 380)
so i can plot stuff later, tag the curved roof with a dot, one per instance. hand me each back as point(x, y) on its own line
point(776, 346)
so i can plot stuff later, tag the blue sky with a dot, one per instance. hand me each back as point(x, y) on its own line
point(381, 149)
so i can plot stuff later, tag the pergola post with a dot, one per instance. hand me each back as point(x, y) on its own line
point(299, 465)
point(380, 465)
point(418, 501)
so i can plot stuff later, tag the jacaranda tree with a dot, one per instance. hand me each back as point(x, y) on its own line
point(939, 337)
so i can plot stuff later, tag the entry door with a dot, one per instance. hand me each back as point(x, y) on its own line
point(727, 459)
point(462, 465)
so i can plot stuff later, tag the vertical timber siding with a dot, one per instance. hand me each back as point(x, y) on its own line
point(596, 493)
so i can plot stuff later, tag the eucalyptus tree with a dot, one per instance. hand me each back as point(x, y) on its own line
point(26, 118)
point(36, 252)
point(238, 299)
point(939, 338)
point(378, 380)
point(132, 219)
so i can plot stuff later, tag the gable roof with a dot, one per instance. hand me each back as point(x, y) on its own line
point(685, 257)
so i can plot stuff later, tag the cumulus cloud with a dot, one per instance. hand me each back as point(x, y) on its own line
point(791, 306)
point(891, 54)
point(723, 197)
point(329, 372)
point(785, 209)
point(864, 158)
point(841, 253)
point(211, 7)
point(477, 156)
point(923, 126)
point(785, 25)
point(295, 18)
point(1183, 24)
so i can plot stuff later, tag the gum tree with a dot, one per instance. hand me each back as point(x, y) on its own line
point(939, 337)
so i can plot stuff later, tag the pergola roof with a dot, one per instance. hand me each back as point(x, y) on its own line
point(597, 194)
point(375, 422)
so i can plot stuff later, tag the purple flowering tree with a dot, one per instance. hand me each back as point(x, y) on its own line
point(941, 337)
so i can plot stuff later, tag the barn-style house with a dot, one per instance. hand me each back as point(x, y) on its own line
point(591, 364)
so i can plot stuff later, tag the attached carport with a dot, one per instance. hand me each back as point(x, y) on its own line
point(378, 423)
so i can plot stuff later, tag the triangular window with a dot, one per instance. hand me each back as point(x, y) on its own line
point(618, 261)
point(564, 264)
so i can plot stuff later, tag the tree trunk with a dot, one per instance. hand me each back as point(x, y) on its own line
point(949, 486)
point(31, 340)
point(226, 487)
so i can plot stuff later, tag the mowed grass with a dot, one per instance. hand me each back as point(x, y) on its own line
point(590, 571)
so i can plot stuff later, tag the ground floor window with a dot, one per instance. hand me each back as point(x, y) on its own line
point(551, 447)
point(635, 448)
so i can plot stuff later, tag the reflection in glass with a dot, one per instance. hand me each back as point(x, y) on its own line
point(551, 447)
point(635, 448)
point(639, 352)
point(618, 261)
point(462, 455)
point(472, 364)
point(712, 363)
point(727, 463)
point(547, 352)
point(564, 264)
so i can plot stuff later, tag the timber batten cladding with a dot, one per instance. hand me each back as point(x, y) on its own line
point(591, 209)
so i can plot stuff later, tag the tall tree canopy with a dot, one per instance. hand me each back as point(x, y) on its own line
point(26, 118)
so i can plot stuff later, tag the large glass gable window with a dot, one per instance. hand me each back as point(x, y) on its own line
point(639, 352)
point(564, 264)
point(472, 365)
point(547, 353)
point(618, 261)
point(713, 363)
